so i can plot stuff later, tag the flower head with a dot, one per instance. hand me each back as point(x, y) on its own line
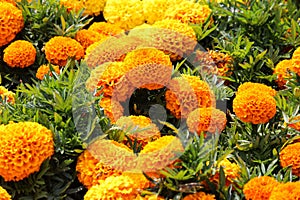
point(91, 7)
point(106, 28)
point(149, 197)
point(24, 146)
point(290, 156)
point(20, 54)
point(88, 37)
point(200, 196)
point(58, 49)
point(6, 95)
point(45, 69)
point(260, 188)
point(255, 88)
point(296, 61)
point(112, 108)
point(11, 22)
point(4, 194)
point(286, 191)
point(282, 72)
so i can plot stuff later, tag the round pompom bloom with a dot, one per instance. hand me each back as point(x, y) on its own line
point(11, 22)
point(296, 61)
point(282, 72)
point(206, 119)
point(90, 171)
point(286, 191)
point(6, 95)
point(88, 37)
point(199, 196)
point(91, 7)
point(126, 14)
point(290, 156)
point(139, 128)
point(105, 28)
point(4, 194)
point(187, 93)
point(260, 188)
point(45, 69)
point(256, 88)
point(24, 147)
point(112, 109)
point(19, 54)
point(58, 49)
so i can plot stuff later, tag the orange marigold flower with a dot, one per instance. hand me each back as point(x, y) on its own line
point(282, 72)
point(20, 54)
point(199, 196)
point(206, 119)
point(25, 146)
point(6, 95)
point(286, 191)
point(4, 194)
point(256, 88)
point(106, 28)
point(223, 61)
point(12, 22)
point(295, 123)
point(189, 12)
point(149, 197)
point(260, 188)
point(88, 37)
point(187, 93)
point(296, 61)
point(112, 108)
point(45, 69)
point(58, 49)
point(9, 1)
point(290, 156)
point(90, 171)
point(91, 7)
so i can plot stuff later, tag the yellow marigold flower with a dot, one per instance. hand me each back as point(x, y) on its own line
point(4, 194)
point(112, 108)
point(260, 188)
point(12, 22)
point(282, 72)
point(256, 88)
point(88, 37)
point(286, 191)
point(189, 12)
point(187, 93)
point(126, 14)
point(74, 5)
point(254, 107)
point(295, 125)
point(206, 119)
point(138, 128)
point(9, 1)
point(20, 54)
point(90, 171)
point(58, 49)
point(24, 146)
point(6, 95)
point(290, 156)
point(199, 196)
point(91, 7)
point(45, 69)
point(296, 61)
point(105, 28)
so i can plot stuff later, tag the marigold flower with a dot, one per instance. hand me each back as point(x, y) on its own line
point(88, 37)
point(4, 194)
point(25, 146)
point(254, 107)
point(117, 12)
point(112, 109)
point(260, 188)
point(256, 88)
point(12, 22)
point(45, 69)
point(6, 95)
point(296, 61)
point(58, 49)
point(295, 125)
point(206, 119)
point(286, 191)
point(149, 197)
point(139, 128)
point(290, 156)
point(20, 54)
point(9, 1)
point(105, 28)
point(222, 61)
point(91, 7)
point(282, 72)
point(90, 171)
point(187, 93)
point(199, 196)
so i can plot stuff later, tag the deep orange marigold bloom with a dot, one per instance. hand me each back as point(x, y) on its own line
point(282, 72)
point(20, 54)
point(4, 194)
point(286, 191)
point(199, 196)
point(231, 170)
point(260, 188)
point(187, 93)
point(112, 108)
point(90, 171)
point(88, 37)
point(24, 146)
point(290, 156)
point(139, 128)
point(206, 119)
point(256, 88)
point(106, 28)
point(296, 61)
point(12, 22)
point(222, 61)
point(58, 49)
point(6, 95)
point(45, 69)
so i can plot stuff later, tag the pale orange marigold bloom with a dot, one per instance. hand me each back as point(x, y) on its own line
point(4, 194)
point(286, 191)
point(231, 170)
point(24, 146)
point(11, 22)
point(282, 72)
point(19, 54)
point(296, 61)
point(106, 28)
point(58, 49)
point(45, 69)
point(6, 95)
point(199, 196)
point(112, 108)
point(260, 188)
point(256, 88)
point(88, 37)
point(290, 156)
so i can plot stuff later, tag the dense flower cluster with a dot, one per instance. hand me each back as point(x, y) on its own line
point(7, 96)
point(25, 146)
point(282, 72)
point(58, 49)
point(91, 7)
point(290, 156)
point(20, 54)
point(105, 28)
point(200, 196)
point(4, 194)
point(88, 37)
point(11, 22)
point(286, 191)
point(45, 69)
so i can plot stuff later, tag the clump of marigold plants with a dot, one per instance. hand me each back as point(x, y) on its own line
point(200, 196)
point(7, 96)
point(4, 194)
point(289, 156)
point(286, 191)
point(45, 69)
point(30, 144)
